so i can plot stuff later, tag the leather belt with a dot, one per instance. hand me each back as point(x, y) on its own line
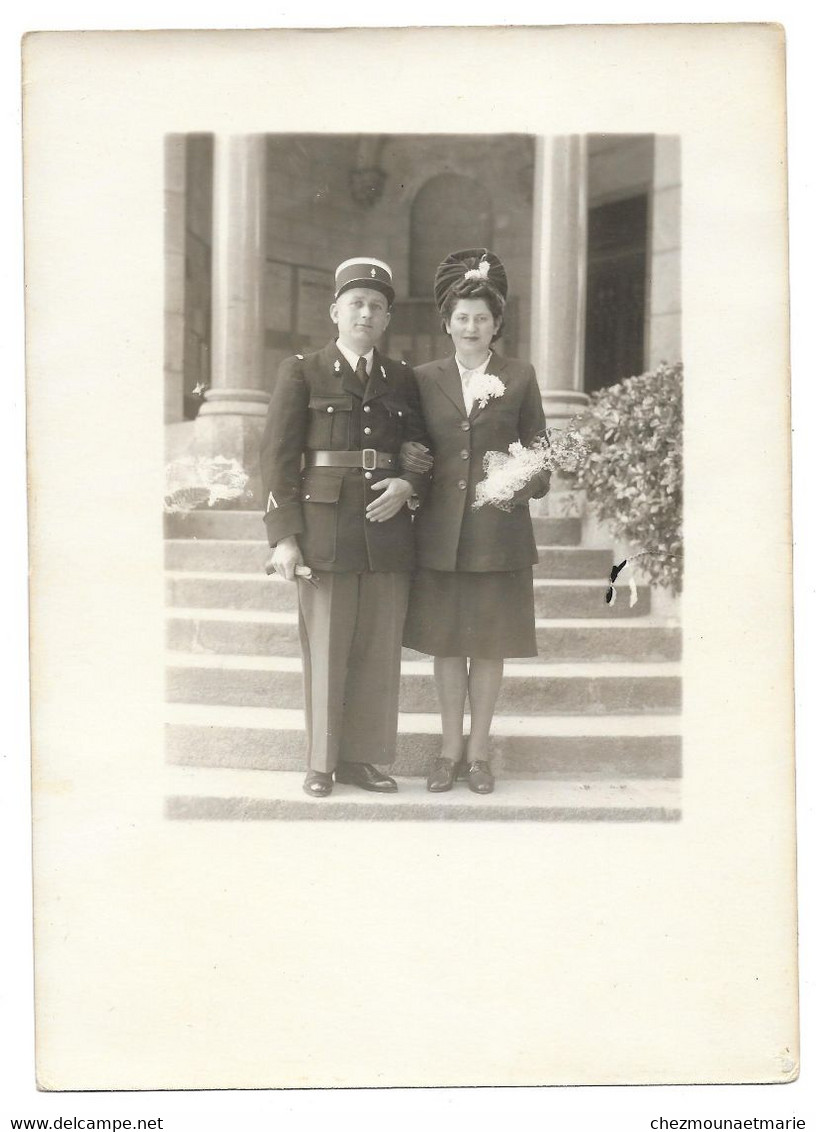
point(369, 459)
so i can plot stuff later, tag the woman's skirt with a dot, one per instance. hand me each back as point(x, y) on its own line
point(486, 615)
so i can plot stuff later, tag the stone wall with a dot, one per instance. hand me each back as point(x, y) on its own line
point(312, 225)
point(188, 270)
point(314, 222)
point(620, 165)
point(501, 163)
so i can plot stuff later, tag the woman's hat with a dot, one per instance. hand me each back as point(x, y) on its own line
point(363, 271)
point(475, 263)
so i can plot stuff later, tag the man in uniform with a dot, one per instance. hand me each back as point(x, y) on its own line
point(337, 508)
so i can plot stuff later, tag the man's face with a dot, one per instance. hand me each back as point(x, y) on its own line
point(361, 315)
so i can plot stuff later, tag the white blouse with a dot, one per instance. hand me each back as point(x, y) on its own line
point(467, 376)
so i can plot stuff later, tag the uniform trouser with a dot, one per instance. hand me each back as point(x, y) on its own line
point(351, 637)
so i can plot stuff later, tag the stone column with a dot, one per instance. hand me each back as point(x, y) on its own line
point(231, 419)
point(559, 274)
point(663, 323)
point(175, 166)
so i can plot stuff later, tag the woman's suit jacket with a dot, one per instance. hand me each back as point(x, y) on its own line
point(450, 534)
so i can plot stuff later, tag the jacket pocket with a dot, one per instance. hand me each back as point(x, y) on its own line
point(320, 497)
point(330, 421)
point(391, 425)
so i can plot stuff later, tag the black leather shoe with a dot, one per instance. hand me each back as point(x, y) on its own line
point(318, 783)
point(480, 780)
point(366, 776)
point(442, 775)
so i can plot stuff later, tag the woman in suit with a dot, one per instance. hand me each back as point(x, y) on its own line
point(471, 601)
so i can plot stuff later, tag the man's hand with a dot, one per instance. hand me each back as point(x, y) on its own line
point(395, 493)
point(415, 457)
point(284, 558)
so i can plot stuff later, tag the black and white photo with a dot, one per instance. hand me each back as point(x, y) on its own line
point(577, 240)
point(559, 849)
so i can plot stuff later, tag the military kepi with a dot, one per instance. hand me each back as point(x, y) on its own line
point(363, 271)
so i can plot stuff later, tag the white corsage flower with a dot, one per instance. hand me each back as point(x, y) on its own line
point(485, 386)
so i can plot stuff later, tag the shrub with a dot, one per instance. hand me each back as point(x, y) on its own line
point(633, 472)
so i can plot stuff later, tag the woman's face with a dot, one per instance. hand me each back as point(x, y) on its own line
point(472, 326)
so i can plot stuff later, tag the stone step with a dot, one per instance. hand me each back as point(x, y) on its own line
point(257, 633)
point(553, 598)
point(243, 795)
point(620, 746)
point(249, 525)
point(247, 556)
point(527, 689)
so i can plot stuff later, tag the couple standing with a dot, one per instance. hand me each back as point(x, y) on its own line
point(370, 472)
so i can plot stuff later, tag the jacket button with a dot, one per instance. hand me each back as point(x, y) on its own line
point(465, 454)
point(330, 409)
point(462, 485)
point(367, 431)
point(366, 408)
point(368, 475)
point(465, 426)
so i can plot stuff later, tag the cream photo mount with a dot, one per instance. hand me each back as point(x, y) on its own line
point(213, 955)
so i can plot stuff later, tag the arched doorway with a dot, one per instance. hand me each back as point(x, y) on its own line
point(449, 212)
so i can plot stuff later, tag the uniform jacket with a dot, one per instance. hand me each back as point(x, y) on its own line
point(318, 403)
point(450, 534)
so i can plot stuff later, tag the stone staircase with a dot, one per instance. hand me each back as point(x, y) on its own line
point(589, 730)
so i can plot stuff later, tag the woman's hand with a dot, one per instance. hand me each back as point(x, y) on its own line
point(523, 495)
point(415, 457)
point(538, 486)
point(395, 493)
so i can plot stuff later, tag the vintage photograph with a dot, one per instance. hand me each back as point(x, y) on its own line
point(445, 585)
point(410, 558)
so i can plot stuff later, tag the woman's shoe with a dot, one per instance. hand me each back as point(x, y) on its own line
point(442, 775)
point(480, 779)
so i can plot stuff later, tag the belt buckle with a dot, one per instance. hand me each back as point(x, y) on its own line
point(369, 459)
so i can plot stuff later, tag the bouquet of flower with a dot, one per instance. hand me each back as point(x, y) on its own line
point(507, 473)
point(198, 481)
